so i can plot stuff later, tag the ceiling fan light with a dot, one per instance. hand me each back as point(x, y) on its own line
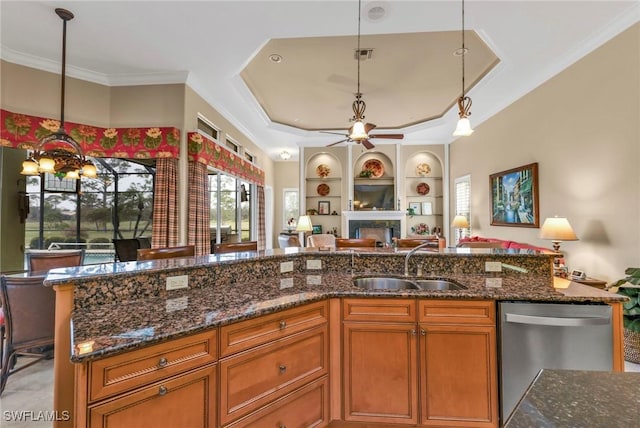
point(47, 165)
point(29, 167)
point(358, 132)
point(89, 170)
point(75, 174)
point(463, 129)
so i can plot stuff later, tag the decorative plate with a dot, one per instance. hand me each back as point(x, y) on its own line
point(423, 169)
point(375, 166)
point(423, 189)
point(323, 189)
point(323, 170)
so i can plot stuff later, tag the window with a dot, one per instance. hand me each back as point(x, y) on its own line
point(290, 208)
point(89, 213)
point(207, 128)
point(233, 146)
point(248, 156)
point(463, 202)
point(231, 208)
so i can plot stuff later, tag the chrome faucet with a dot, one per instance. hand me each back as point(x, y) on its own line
point(353, 260)
point(410, 253)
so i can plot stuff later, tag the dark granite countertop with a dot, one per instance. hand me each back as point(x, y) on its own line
point(106, 329)
point(580, 399)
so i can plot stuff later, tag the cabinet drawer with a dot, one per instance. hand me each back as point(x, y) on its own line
point(254, 378)
point(248, 334)
point(124, 372)
point(306, 407)
point(187, 400)
point(385, 310)
point(479, 312)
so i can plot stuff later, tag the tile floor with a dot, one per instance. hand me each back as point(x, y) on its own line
point(31, 390)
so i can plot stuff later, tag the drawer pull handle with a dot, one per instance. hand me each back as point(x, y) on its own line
point(423, 332)
point(282, 426)
point(282, 368)
point(163, 362)
point(162, 390)
point(413, 332)
point(283, 324)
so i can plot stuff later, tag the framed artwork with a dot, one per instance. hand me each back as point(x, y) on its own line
point(514, 197)
point(415, 207)
point(324, 207)
point(317, 229)
point(427, 208)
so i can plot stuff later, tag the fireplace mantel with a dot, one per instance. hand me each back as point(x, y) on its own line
point(379, 215)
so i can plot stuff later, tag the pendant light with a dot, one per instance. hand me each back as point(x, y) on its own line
point(463, 129)
point(358, 131)
point(65, 157)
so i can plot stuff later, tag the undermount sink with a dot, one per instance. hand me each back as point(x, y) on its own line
point(385, 283)
point(438, 284)
point(392, 283)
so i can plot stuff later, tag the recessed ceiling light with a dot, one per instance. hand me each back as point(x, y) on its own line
point(275, 58)
point(376, 11)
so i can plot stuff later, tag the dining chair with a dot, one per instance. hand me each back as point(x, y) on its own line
point(29, 310)
point(127, 249)
point(321, 240)
point(355, 242)
point(44, 260)
point(236, 247)
point(166, 252)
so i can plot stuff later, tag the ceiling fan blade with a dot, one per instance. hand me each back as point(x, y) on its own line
point(333, 133)
point(388, 136)
point(368, 127)
point(337, 142)
point(367, 144)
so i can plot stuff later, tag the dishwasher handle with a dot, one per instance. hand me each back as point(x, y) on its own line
point(556, 321)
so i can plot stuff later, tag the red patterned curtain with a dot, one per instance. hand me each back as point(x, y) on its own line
point(199, 208)
point(262, 231)
point(165, 204)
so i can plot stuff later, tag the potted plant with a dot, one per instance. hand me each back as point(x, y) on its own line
point(630, 287)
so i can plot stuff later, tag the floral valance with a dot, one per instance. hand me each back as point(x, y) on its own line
point(24, 132)
point(202, 149)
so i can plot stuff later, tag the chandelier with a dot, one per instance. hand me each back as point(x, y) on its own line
point(463, 128)
point(64, 158)
point(358, 131)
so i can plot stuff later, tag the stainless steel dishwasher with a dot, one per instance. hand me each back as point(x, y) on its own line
point(536, 336)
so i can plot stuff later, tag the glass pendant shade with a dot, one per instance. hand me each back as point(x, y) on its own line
point(358, 132)
point(29, 167)
point(47, 165)
point(89, 170)
point(463, 129)
point(73, 174)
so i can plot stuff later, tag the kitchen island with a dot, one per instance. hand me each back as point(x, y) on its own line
point(122, 309)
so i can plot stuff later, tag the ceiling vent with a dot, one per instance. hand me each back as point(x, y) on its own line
point(362, 54)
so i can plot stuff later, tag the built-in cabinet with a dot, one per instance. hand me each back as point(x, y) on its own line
point(435, 369)
point(323, 191)
point(424, 193)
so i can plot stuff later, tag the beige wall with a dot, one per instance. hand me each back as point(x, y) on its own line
point(147, 105)
point(583, 129)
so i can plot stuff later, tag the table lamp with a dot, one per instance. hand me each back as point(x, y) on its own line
point(460, 222)
point(557, 229)
point(304, 225)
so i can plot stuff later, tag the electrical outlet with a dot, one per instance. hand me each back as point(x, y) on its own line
point(493, 282)
point(314, 279)
point(286, 283)
point(177, 282)
point(492, 266)
point(314, 264)
point(178, 304)
point(286, 267)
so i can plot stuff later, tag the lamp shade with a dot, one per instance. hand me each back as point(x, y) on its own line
point(304, 224)
point(358, 132)
point(463, 129)
point(460, 221)
point(557, 229)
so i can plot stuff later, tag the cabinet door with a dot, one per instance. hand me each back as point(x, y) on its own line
point(380, 372)
point(187, 400)
point(458, 376)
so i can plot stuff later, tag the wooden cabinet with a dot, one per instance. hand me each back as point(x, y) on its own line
point(458, 367)
point(432, 366)
point(169, 384)
point(270, 357)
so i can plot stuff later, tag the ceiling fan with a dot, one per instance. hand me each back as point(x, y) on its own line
point(359, 131)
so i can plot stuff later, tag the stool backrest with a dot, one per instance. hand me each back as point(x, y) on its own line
point(166, 252)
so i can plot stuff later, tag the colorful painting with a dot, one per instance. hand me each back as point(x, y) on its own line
point(514, 197)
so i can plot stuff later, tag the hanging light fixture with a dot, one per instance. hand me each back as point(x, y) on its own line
point(463, 129)
point(358, 131)
point(65, 157)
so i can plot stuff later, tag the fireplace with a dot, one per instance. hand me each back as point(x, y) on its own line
point(380, 224)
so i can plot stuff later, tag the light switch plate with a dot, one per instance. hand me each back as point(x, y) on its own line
point(286, 267)
point(492, 266)
point(178, 304)
point(177, 282)
point(286, 283)
point(314, 279)
point(314, 264)
point(493, 282)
